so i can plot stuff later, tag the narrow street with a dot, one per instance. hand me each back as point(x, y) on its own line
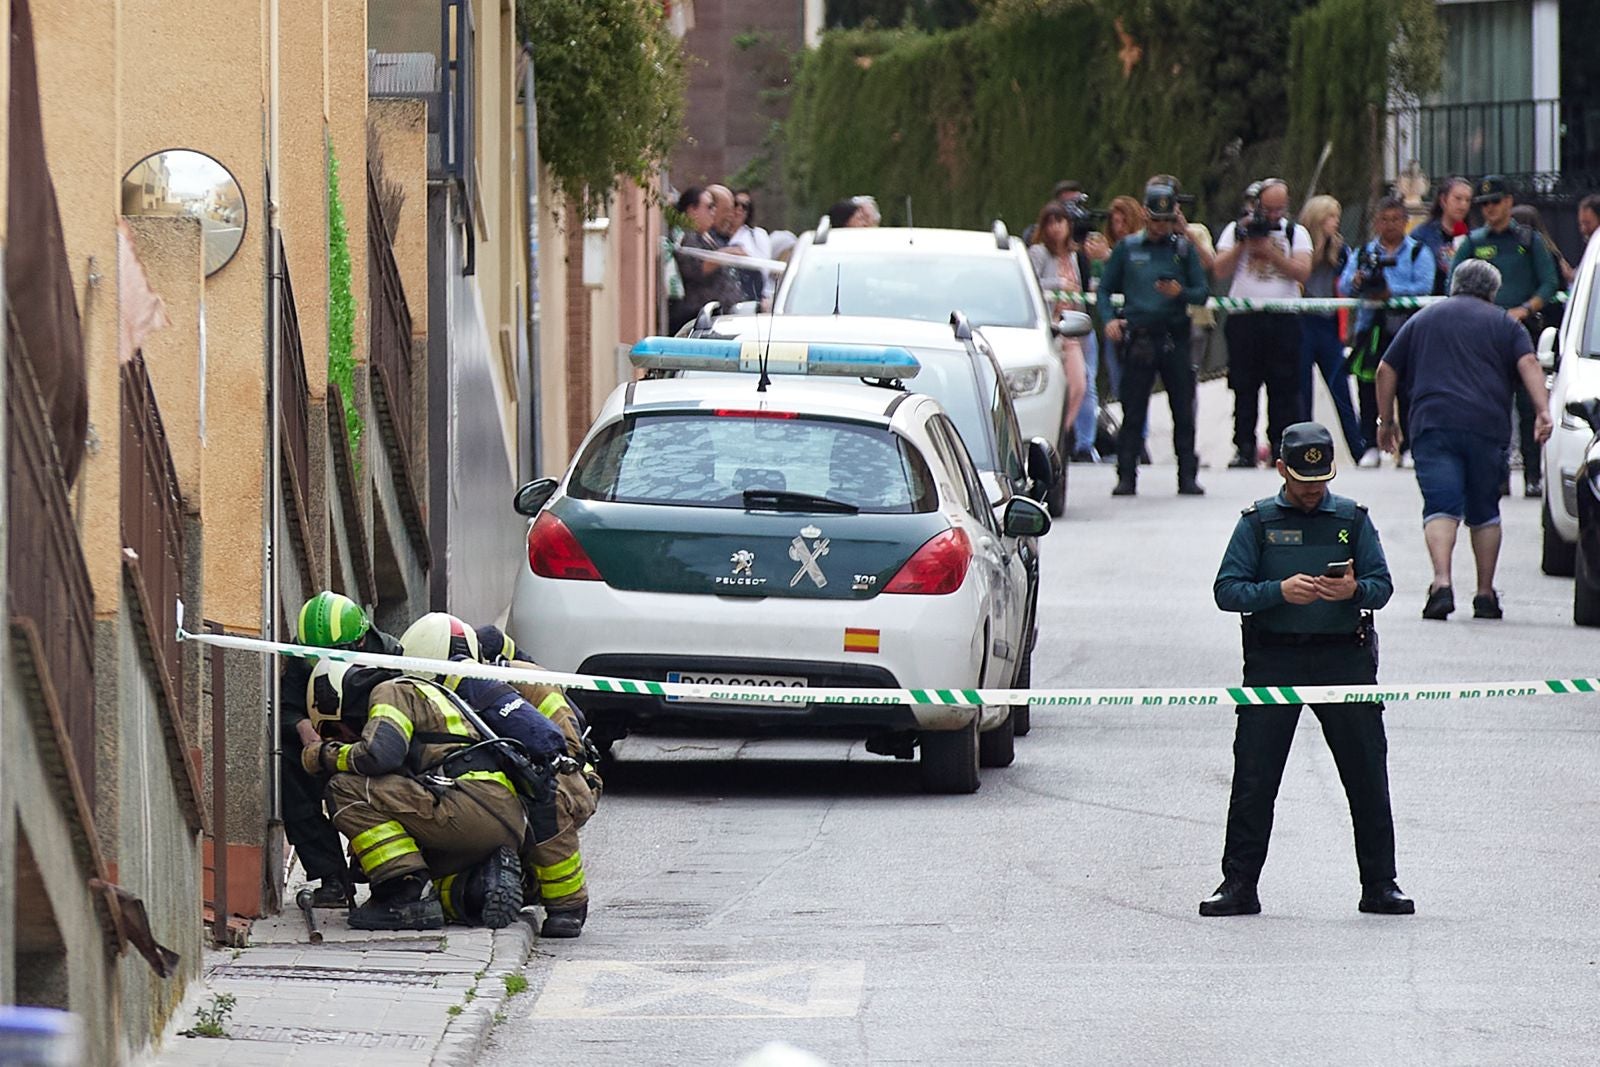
point(808, 892)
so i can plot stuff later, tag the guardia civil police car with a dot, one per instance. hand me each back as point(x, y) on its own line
point(806, 532)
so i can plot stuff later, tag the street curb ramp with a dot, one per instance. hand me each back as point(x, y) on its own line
point(467, 1033)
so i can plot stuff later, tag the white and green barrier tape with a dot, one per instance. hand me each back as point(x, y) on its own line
point(736, 694)
point(1299, 304)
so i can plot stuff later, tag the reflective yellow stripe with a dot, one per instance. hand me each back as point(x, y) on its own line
point(342, 760)
point(564, 888)
point(446, 884)
point(335, 630)
point(452, 718)
point(394, 715)
point(487, 776)
point(560, 869)
point(377, 835)
point(300, 624)
point(400, 846)
point(552, 704)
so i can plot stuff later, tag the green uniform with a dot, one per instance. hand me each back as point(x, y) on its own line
point(1526, 267)
point(1138, 262)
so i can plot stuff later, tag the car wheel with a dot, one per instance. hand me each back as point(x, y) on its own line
point(949, 760)
point(1022, 714)
point(1055, 501)
point(1556, 557)
point(1586, 589)
point(997, 747)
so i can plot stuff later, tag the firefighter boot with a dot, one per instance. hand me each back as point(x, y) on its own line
point(564, 922)
point(399, 904)
point(493, 893)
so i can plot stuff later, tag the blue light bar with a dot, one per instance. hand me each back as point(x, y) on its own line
point(783, 357)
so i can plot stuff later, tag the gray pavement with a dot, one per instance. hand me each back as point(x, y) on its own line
point(807, 892)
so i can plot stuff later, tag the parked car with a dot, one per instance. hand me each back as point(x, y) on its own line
point(1572, 356)
point(925, 274)
point(1586, 555)
point(788, 533)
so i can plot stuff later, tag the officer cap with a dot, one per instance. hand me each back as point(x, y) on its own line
point(1307, 452)
point(1161, 201)
point(1490, 187)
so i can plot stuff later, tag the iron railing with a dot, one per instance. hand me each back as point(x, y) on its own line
point(48, 585)
point(391, 323)
point(294, 400)
point(152, 522)
point(1533, 139)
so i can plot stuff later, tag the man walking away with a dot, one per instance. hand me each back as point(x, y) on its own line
point(1528, 283)
point(1268, 257)
point(1307, 570)
point(1460, 361)
point(1159, 273)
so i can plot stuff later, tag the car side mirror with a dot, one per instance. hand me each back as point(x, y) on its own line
point(1547, 348)
point(533, 496)
point(1042, 466)
point(1588, 410)
point(1072, 324)
point(1025, 518)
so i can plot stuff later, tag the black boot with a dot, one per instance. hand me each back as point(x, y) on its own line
point(1187, 486)
point(1125, 485)
point(332, 892)
point(1233, 897)
point(1385, 898)
point(402, 903)
point(489, 894)
point(564, 922)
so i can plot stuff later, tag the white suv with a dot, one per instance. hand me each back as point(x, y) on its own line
point(915, 273)
point(1574, 356)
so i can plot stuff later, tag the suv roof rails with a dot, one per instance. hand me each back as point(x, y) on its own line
point(960, 326)
point(824, 227)
point(1002, 238)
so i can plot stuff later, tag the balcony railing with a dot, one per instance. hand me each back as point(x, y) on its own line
point(49, 589)
point(294, 407)
point(152, 523)
point(1532, 139)
point(391, 323)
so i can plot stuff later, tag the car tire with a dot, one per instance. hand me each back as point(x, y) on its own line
point(998, 747)
point(1585, 589)
point(1022, 714)
point(949, 759)
point(1556, 557)
point(1055, 501)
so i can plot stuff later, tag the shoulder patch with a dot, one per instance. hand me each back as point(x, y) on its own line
point(1251, 510)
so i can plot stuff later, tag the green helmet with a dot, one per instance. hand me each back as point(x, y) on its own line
point(331, 620)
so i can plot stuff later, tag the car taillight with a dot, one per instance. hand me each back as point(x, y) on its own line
point(939, 566)
point(554, 553)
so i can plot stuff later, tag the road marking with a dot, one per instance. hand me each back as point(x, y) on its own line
point(695, 989)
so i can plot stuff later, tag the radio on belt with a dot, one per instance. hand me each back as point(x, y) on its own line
point(836, 360)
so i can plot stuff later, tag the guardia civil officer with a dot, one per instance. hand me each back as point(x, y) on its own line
point(1306, 570)
point(1159, 273)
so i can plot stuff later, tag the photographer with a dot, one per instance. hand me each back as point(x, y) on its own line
point(1393, 263)
point(1062, 268)
point(1269, 258)
point(1159, 273)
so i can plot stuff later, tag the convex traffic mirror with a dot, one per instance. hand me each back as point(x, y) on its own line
point(178, 183)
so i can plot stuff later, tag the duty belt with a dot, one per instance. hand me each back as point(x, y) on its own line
point(1268, 639)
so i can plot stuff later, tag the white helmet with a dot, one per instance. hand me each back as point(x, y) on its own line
point(438, 635)
point(325, 691)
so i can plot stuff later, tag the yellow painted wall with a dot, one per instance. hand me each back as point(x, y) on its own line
point(303, 175)
point(403, 134)
point(171, 253)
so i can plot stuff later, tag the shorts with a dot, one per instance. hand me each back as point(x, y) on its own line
point(1459, 473)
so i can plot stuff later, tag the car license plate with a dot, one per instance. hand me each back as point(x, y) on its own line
point(774, 681)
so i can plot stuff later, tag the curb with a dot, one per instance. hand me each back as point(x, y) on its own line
point(466, 1034)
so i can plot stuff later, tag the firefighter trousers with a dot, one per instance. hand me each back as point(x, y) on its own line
point(397, 826)
point(553, 857)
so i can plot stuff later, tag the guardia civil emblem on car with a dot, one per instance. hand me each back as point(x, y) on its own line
point(807, 556)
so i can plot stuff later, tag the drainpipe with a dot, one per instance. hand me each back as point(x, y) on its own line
point(270, 562)
point(530, 167)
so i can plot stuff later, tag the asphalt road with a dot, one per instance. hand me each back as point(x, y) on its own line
point(807, 892)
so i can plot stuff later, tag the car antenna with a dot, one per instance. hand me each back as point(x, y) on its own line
point(911, 237)
point(838, 272)
point(766, 350)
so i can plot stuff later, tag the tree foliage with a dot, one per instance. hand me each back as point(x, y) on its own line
point(610, 82)
point(342, 311)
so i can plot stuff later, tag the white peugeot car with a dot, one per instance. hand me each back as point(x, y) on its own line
point(914, 273)
point(1573, 354)
point(803, 532)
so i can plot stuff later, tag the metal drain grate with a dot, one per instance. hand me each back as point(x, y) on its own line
point(342, 975)
point(351, 1038)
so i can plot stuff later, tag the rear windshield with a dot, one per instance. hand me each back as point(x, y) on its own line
point(992, 290)
point(707, 460)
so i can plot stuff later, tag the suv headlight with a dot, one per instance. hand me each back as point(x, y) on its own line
point(1026, 381)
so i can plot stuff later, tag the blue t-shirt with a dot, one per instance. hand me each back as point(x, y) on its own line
point(1457, 360)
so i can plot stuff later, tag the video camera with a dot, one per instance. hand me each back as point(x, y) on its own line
point(1370, 265)
point(1254, 224)
point(1083, 220)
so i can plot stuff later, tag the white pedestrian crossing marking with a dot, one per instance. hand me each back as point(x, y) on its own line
point(694, 989)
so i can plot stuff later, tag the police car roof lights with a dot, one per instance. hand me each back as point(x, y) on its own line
point(781, 357)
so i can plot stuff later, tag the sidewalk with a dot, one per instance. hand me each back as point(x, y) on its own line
point(359, 998)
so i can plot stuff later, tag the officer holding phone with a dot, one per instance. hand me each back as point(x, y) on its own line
point(1306, 570)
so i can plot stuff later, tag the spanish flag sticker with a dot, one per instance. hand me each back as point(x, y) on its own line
point(860, 640)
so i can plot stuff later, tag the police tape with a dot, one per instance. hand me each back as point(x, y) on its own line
point(1299, 305)
point(1073, 698)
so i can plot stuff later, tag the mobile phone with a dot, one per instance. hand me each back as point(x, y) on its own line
point(1336, 570)
point(1166, 278)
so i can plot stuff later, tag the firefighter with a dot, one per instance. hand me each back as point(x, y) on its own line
point(559, 881)
point(327, 620)
point(419, 798)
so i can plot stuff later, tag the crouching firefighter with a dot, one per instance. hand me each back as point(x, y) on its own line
point(421, 797)
point(559, 881)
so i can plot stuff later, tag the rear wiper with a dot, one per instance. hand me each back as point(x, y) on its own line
point(783, 500)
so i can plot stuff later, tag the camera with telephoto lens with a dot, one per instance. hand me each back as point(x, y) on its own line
point(1255, 224)
point(1371, 265)
point(1083, 220)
